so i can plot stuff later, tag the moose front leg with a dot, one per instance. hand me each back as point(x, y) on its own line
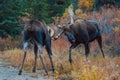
point(42, 57)
point(70, 49)
point(49, 51)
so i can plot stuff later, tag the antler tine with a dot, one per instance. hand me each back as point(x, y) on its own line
point(71, 13)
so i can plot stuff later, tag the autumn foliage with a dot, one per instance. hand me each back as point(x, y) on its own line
point(96, 68)
point(86, 4)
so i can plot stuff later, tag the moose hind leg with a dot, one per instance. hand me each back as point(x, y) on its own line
point(87, 50)
point(99, 40)
point(42, 57)
point(25, 46)
point(35, 52)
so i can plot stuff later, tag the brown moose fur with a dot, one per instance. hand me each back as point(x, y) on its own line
point(33, 25)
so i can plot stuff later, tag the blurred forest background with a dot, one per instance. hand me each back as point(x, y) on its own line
point(106, 12)
point(11, 11)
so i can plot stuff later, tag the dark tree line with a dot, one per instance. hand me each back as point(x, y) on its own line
point(12, 10)
point(99, 3)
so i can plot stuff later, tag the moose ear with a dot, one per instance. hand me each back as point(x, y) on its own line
point(50, 30)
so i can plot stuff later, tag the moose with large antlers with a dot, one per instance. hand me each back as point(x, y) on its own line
point(39, 34)
point(81, 31)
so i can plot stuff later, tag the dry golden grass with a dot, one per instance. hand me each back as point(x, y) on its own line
point(95, 69)
point(15, 57)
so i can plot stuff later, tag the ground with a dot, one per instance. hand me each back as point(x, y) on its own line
point(11, 73)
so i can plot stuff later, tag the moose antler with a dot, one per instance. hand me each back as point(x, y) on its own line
point(71, 13)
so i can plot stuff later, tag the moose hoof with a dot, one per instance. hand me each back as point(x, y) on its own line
point(33, 70)
point(70, 60)
point(46, 72)
point(53, 70)
point(20, 72)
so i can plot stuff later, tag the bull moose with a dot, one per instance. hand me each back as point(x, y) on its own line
point(81, 31)
point(37, 33)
